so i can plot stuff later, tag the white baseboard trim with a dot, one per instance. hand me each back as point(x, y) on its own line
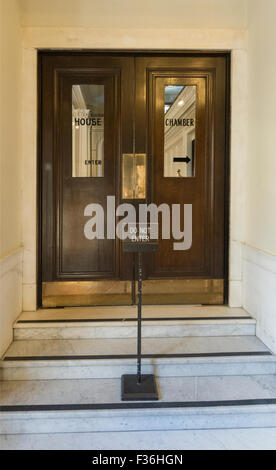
point(259, 292)
point(11, 295)
point(13, 259)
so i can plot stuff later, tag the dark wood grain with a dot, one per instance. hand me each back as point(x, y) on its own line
point(206, 191)
point(134, 114)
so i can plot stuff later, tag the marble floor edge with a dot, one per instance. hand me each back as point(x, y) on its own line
point(216, 439)
point(142, 406)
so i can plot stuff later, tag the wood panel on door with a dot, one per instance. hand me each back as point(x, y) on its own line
point(198, 274)
point(76, 270)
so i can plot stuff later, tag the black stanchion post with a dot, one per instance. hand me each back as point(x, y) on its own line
point(139, 325)
point(139, 386)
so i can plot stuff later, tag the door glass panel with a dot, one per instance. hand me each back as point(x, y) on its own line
point(179, 131)
point(88, 131)
point(134, 176)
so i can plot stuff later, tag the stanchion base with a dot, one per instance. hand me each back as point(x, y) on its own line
point(132, 391)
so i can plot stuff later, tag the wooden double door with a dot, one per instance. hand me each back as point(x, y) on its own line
point(135, 128)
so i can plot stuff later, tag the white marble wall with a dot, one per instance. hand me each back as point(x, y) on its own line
point(10, 296)
point(259, 292)
point(29, 174)
point(238, 153)
point(91, 38)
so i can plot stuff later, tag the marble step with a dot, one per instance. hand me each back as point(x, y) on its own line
point(90, 405)
point(110, 358)
point(129, 312)
point(176, 328)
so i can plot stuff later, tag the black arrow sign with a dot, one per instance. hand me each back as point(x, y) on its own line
point(181, 159)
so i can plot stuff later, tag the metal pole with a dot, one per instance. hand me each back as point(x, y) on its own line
point(139, 324)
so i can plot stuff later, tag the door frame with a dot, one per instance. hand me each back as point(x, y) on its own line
point(138, 53)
